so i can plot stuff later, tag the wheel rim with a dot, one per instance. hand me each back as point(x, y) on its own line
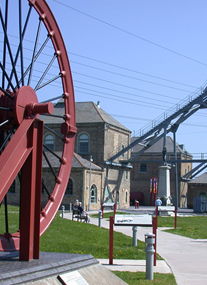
point(23, 56)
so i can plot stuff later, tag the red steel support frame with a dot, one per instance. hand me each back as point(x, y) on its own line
point(24, 152)
point(30, 206)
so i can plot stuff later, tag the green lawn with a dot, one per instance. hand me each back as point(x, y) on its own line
point(193, 227)
point(135, 278)
point(74, 237)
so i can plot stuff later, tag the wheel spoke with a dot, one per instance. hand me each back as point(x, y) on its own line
point(4, 49)
point(36, 56)
point(49, 164)
point(18, 50)
point(45, 72)
point(56, 116)
point(20, 37)
point(34, 52)
point(53, 99)
point(11, 132)
point(51, 130)
point(7, 77)
point(9, 48)
point(6, 93)
point(45, 188)
point(49, 81)
point(5, 109)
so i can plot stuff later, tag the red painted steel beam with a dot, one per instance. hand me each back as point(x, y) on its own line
point(31, 196)
point(14, 156)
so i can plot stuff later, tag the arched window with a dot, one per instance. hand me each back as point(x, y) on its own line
point(126, 197)
point(202, 194)
point(49, 142)
point(93, 194)
point(83, 143)
point(69, 189)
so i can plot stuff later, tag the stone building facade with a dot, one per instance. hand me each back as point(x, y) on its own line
point(147, 167)
point(98, 137)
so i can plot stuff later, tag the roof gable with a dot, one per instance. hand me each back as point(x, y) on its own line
point(201, 179)
point(158, 146)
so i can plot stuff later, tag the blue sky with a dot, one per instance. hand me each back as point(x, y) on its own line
point(138, 58)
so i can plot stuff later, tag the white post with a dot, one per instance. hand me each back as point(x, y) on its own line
point(89, 202)
point(149, 241)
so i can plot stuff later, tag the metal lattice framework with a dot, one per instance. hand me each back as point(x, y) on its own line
point(170, 122)
point(32, 51)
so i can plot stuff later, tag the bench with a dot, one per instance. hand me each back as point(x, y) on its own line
point(77, 215)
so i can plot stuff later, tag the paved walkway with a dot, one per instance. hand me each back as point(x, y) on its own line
point(186, 258)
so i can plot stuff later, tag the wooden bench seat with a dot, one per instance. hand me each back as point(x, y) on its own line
point(77, 215)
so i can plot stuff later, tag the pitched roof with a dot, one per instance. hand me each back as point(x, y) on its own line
point(78, 161)
point(202, 179)
point(86, 112)
point(89, 112)
point(158, 146)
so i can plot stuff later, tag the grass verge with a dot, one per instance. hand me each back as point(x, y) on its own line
point(193, 227)
point(134, 278)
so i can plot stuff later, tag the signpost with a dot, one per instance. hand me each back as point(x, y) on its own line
point(126, 220)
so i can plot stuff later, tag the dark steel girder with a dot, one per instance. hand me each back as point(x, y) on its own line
point(170, 124)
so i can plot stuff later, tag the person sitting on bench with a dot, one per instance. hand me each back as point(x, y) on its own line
point(83, 213)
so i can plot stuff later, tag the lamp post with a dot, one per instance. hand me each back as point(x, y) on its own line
point(89, 202)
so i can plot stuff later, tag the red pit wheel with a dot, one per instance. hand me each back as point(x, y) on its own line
point(34, 69)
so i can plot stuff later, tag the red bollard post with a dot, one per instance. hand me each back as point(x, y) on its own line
point(175, 217)
point(111, 236)
point(114, 209)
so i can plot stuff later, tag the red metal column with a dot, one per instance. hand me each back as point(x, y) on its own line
point(111, 237)
point(114, 209)
point(30, 204)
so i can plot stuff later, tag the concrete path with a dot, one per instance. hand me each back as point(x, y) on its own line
point(185, 257)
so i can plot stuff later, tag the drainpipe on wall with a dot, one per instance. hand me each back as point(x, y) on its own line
point(83, 189)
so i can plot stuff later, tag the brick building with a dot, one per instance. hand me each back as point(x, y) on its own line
point(147, 167)
point(98, 136)
point(197, 187)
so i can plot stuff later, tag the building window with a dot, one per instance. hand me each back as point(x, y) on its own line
point(126, 197)
point(143, 168)
point(93, 194)
point(49, 142)
point(69, 189)
point(83, 143)
point(127, 175)
point(12, 188)
point(202, 194)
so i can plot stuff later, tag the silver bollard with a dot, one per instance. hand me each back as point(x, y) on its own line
point(63, 210)
point(70, 207)
point(99, 218)
point(149, 240)
point(134, 228)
